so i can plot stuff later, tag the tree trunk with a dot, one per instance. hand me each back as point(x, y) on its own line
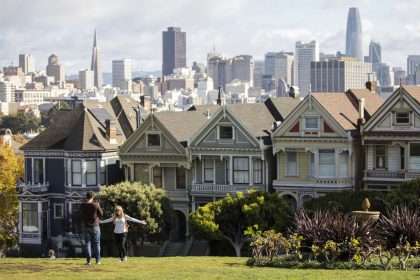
point(237, 248)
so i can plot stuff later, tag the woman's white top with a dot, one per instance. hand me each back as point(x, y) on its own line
point(120, 224)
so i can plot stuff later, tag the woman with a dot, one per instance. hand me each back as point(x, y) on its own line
point(119, 219)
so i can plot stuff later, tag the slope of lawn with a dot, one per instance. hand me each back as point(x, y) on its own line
point(197, 268)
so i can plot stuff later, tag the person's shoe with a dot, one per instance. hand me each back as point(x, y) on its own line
point(87, 263)
point(98, 263)
point(120, 260)
point(125, 258)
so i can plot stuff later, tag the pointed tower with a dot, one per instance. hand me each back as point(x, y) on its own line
point(354, 34)
point(95, 64)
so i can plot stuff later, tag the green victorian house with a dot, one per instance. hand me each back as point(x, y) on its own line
point(205, 153)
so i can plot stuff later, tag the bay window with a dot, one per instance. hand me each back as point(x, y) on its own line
point(258, 171)
point(90, 175)
point(208, 169)
point(240, 170)
point(291, 164)
point(30, 222)
point(326, 163)
point(76, 172)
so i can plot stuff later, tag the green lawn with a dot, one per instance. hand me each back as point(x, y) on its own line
point(197, 268)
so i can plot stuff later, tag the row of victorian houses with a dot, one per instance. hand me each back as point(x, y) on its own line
point(299, 148)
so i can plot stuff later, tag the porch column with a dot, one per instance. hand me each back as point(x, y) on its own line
point(32, 171)
point(231, 170)
point(251, 179)
point(44, 179)
point(132, 172)
point(69, 174)
point(194, 172)
point(337, 162)
point(193, 203)
point(83, 173)
point(316, 163)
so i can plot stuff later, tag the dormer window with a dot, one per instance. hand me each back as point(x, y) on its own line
point(153, 140)
point(402, 118)
point(311, 123)
point(226, 132)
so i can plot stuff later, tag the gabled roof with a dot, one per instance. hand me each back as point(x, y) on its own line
point(338, 105)
point(82, 129)
point(414, 91)
point(372, 100)
point(280, 107)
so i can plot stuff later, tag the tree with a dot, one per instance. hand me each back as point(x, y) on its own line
point(230, 217)
point(11, 168)
point(143, 202)
point(21, 123)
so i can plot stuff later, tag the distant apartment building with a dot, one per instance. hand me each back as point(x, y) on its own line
point(122, 74)
point(339, 75)
point(55, 69)
point(7, 92)
point(305, 53)
point(258, 73)
point(279, 65)
point(243, 68)
point(174, 50)
point(86, 79)
point(413, 62)
point(26, 63)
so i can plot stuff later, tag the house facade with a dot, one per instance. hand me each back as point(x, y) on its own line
point(202, 154)
point(77, 153)
point(391, 141)
point(318, 145)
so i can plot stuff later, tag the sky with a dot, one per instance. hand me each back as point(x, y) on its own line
point(133, 28)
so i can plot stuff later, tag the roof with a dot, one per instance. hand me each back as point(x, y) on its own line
point(340, 108)
point(372, 100)
point(84, 128)
point(414, 91)
point(280, 107)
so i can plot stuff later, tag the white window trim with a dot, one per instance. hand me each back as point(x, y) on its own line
point(203, 175)
point(312, 129)
point(225, 139)
point(38, 203)
point(403, 124)
point(81, 172)
point(147, 140)
point(297, 165)
point(61, 205)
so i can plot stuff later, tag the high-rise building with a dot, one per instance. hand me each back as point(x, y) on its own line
point(122, 74)
point(96, 64)
point(279, 65)
point(55, 69)
point(339, 75)
point(354, 35)
point(174, 50)
point(86, 79)
point(258, 73)
point(375, 52)
point(384, 74)
point(413, 62)
point(305, 53)
point(26, 63)
point(399, 75)
point(243, 69)
point(7, 92)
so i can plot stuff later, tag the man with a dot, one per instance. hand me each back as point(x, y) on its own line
point(90, 212)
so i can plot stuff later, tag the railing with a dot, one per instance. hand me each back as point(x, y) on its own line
point(333, 181)
point(221, 188)
point(403, 174)
point(34, 188)
point(314, 182)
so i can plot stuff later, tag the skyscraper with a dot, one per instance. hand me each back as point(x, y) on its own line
point(95, 64)
point(86, 79)
point(304, 55)
point(243, 68)
point(413, 63)
point(174, 50)
point(354, 34)
point(122, 74)
point(279, 65)
point(26, 63)
point(375, 52)
point(55, 69)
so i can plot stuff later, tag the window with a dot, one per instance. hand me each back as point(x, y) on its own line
point(240, 170)
point(326, 163)
point(157, 176)
point(402, 118)
point(153, 140)
point(38, 171)
point(76, 172)
point(91, 173)
point(226, 132)
point(258, 171)
point(291, 164)
point(208, 170)
point(312, 165)
point(311, 123)
point(76, 221)
point(30, 223)
point(103, 173)
point(344, 165)
point(402, 158)
point(180, 178)
point(227, 169)
point(141, 173)
point(58, 211)
point(414, 156)
point(380, 156)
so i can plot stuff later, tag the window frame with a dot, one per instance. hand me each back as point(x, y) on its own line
point(90, 173)
point(73, 173)
point(157, 176)
point(177, 175)
point(334, 165)
point(311, 128)
point(60, 205)
point(23, 211)
point(212, 168)
point(296, 174)
point(240, 171)
point(257, 171)
point(40, 179)
point(148, 134)
point(402, 123)
point(385, 156)
point(220, 132)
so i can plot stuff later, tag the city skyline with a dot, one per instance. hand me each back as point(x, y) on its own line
point(237, 27)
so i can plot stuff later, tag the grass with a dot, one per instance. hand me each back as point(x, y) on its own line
point(197, 268)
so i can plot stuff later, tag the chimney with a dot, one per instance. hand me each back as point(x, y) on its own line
point(219, 97)
point(371, 84)
point(138, 116)
point(362, 110)
point(111, 131)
